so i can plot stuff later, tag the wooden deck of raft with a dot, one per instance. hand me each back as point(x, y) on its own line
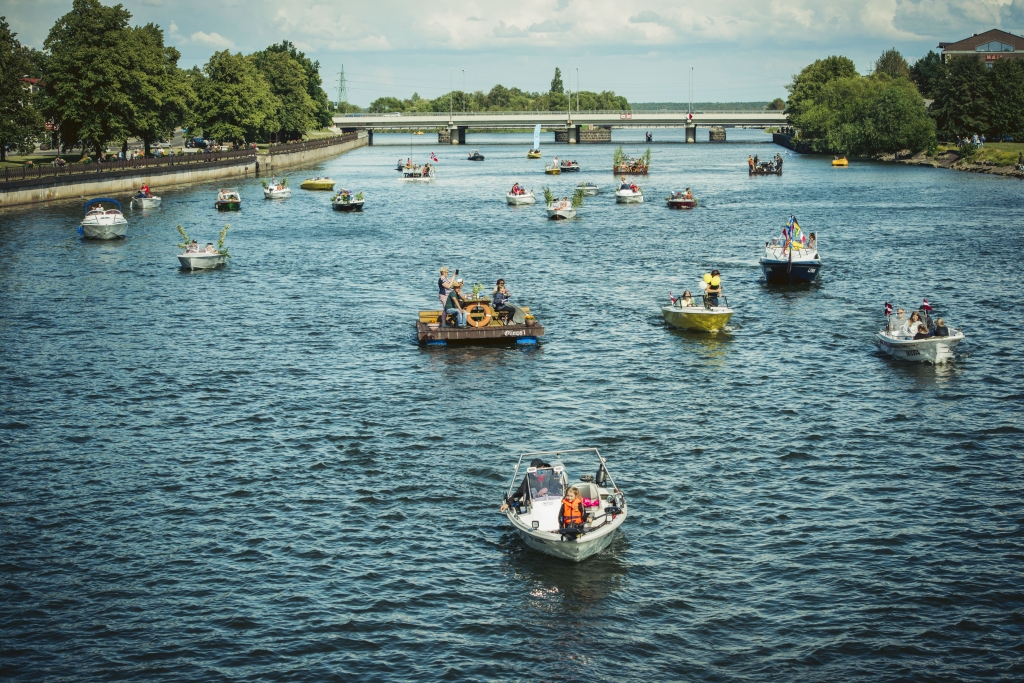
point(495, 332)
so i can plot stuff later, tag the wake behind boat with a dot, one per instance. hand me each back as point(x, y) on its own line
point(792, 259)
point(570, 521)
point(100, 223)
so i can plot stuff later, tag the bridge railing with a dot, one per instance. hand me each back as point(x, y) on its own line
point(289, 147)
point(600, 112)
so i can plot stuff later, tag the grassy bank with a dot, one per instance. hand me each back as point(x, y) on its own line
point(998, 153)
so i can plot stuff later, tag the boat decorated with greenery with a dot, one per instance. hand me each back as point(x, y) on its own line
point(565, 208)
point(276, 189)
point(633, 166)
point(194, 257)
point(347, 201)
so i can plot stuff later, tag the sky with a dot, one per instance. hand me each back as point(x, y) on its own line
point(739, 50)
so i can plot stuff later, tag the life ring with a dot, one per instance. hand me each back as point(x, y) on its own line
point(483, 322)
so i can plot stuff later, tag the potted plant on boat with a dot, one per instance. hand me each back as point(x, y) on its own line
point(561, 209)
point(346, 201)
point(194, 257)
point(275, 189)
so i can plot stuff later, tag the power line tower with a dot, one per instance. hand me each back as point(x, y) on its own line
point(342, 90)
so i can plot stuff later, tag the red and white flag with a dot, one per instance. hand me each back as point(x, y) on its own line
point(433, 157)
point(888, 309)
point(926, 306)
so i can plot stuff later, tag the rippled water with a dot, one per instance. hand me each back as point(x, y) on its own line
point(256, 473)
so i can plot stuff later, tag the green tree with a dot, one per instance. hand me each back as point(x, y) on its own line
point(897, 119)
point(20, 120)
point(962, 98)
point(807, 85)
point(314, 84)
point(296, 111)
point(556, 82)
point(161, 93)
point(927, 72)
point(382, 105)
point(778, 104)
point(234, 100)
point(1006, 98)
point(892, 63)
point(89, 74)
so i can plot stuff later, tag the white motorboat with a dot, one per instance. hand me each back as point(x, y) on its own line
point(424, 173)
point(276, 190)
point(561, 210)
point(900, 343)
point(628, 193)
point(517, 196)
point(589, 189)
point(100, 223)
point(201, 260)
point(533, 508)
point(146, 202)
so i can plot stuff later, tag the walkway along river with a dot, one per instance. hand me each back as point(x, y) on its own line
point(255, 473)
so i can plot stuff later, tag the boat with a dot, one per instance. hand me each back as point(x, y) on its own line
point(561, 211)
point(770, 167)
point(800, 264)
point(419, 132)
point(622, 164)
point(533, 507)
point(535, 152)
point(228, 200)
point(475, 155)
point(554, 168)
point(628, 193)
point(318, 183)
point(483, 327)
point(145, 201)
point(840, 161)
point(202, 260)
point(277, 189)
point(900, 344)
point(517, 196)
point(347, 201)
point(698, 315)
point(589, 189)
point(99, 223)
point(568, 166)
point(424, 173)
point(680, 200)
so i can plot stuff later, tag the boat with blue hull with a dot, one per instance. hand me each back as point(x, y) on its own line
point(798, 264)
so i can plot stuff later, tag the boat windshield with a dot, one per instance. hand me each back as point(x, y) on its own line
point(545, 484)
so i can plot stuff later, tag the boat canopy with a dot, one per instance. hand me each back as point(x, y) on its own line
point(546, 483)
point(99, 200)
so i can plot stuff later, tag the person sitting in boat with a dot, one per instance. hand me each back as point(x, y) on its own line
point(898, 321)
point(714, 289)
point(750, 162)
point(144, 191)
point(210, 249)
point(914, 324)
point(922, 332)
point(686, 301)
point(812, 241)
point(926, 319)
point(516, 190)
point(572, 514)
point(193, 247)
point(940, 328)
point(543, 474)
point(688, 194)
point(453, 306)
point(499, 302)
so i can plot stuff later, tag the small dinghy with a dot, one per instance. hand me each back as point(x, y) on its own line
point(533, 154)
point(628, 193)
point(475, 155)
point(589, 189)
point(554, 168)
point(561, 211)
point(100, 223)
point(681, 200)
point(518, 196)
point(899, 338)
point(568, 166)
point(424, 173)
point(791, 259)
point(276, 189)
point(318, 184)
point(542, 514)
point(347, 201)
point(202, 260)
point(145, 201)
point(840, 161)
point(228, 200)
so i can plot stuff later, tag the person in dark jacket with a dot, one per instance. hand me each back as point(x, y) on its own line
point(520, 493)
point(940, 328)
point(922, 332)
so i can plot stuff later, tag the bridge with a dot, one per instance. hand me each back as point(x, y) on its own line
point(571, 127)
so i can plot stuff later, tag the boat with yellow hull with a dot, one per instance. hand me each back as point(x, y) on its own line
point(841, 162)
point(533, 154)
point(705, 318)
point(324, 184)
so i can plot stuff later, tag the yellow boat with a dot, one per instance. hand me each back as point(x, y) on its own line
point(554, 168)
point(533, 154)
point(419, 132)
point(317, 184)
point(697, 317)
point(840, 162)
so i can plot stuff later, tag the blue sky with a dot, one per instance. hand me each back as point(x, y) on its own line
point(643, 49)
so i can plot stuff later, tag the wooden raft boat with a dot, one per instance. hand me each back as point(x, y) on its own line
point(484, 328)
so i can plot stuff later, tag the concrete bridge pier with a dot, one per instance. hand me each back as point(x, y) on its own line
point(457, 134)
point(369, 137)
point(691, 133)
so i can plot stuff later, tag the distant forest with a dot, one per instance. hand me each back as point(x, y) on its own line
point(708, 106)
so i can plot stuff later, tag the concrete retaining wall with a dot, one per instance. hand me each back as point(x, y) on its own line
point(275, 162)
point(596, 134)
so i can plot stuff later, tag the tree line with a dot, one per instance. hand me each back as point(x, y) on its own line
point(500, 98)
point(102, 80)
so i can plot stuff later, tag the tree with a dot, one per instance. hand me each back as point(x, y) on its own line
point(898, 119)
point(556, 82)
point(807, 85)
point(382, 105)
point(296, 112)
point(314, 85)
point(20, 120)
point(891, 63)
point(89, 74)
point(1006, 92)
point(161, 94)
point(234, 100)
point(927, 72)
point(778, 104)
point(961, 98)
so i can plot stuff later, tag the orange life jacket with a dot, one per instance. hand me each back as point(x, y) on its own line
point(571, 512)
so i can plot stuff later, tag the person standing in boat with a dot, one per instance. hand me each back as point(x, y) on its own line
point(444, 285)
point(714, 289)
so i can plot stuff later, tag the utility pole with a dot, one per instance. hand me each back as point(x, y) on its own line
point(577, 90)
point(342, 91)
point(451, 92)
point(463, 91)
point(690, 110)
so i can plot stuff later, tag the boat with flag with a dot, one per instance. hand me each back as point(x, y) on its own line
point(793, 258)
point(416, 173)
point(926, 340)
point(535, 152)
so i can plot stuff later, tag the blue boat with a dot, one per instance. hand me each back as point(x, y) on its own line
point(800, 265)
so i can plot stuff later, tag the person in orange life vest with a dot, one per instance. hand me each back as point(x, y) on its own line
point(544, 473)
point(571, 513)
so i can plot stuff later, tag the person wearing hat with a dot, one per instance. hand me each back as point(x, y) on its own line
point(543, 473)
point(453, 306)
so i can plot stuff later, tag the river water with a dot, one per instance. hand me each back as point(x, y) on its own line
point(256, 473)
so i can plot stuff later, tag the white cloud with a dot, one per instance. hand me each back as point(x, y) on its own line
point(645, 17)
point(214, 40)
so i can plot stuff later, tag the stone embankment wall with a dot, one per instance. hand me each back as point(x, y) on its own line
point(82, 186)
point(950, 159)
point(596, 134)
